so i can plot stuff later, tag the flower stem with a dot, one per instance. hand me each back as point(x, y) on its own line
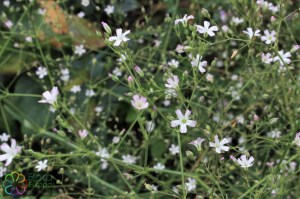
point(181, 166)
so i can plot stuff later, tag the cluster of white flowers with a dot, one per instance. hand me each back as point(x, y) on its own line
point(267, 5)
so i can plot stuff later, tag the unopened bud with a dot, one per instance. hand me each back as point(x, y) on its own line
point(295, 48)
point(189, 154)
point(205, 13)
point(113, 77)
point(139, 71)
point(106, 27)
point(234, 54)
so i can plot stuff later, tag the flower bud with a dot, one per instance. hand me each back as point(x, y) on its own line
point(113, 77)
point(106, 27)
point(205, 13)
point(139, 71)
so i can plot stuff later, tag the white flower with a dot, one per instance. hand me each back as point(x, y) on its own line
point(197, 143)
point(28, 39)
point(90, 93)
point(183, 121)
point(219, 145)
point(273, 8)
point(237, 20)
point(79, 50)
point(184, 20)
point(198, 63)
point(85, 2)
point(284, 56)
point(4, 137)
point(3, 170)
point(150, 125)
point(65, 75)
point(206, 29)
point(41, 72)
point(129, 159)
point(250, 32)
point(109, 9)
point(209, 77)
point(174, 149)
point(244, 162)
point(266, 58)
point(172, 82)
point(120, 37)
point(103, 153)
point(75, 89)
point(179, 49)
point(41, 165)
point(191, 184)
point(117, 72)
point(139, 102)
point(41, 11)
point(173, 63)
point(6, 3)
point(10, 151)
point(83, 133)
point(269, 37)
point(81, 14)
point(50, 97)
point(99, 109)
point(159, 166)
point(104, 164)
point(116, 139)
point(8, 24)
point(274, 134)
point(297, 139)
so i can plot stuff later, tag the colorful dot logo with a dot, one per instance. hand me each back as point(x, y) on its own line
point(14, 184)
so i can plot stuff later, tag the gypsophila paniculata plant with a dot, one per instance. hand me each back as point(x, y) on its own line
point(151, 99)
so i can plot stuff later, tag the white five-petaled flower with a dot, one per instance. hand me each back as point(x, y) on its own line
point(196, 61)
point(244, 162)
point(266, 58)
point(250, 32)
point(129, 159)
point(41, 72)
point(191, 184)
point(159, 166)
point(120, 37)
point(79, 50)
point(139, 102)
point(85, 2)
point(109, 9)
point(197, 143)
point(90, 93)
point(10, 151)
point(184, 20)
point(173, 63)
point(269, 37)
point(174, 149)
point(206, 29)
point(172, 82)
point(103, 153)
point(41, 165)
point(219, 145)
point(297, 139)
point(50, 97)
point(75, 89)
point(237, 20)
point(83, 133)
point(183, 121)
point(4, 137)
point(284, 56)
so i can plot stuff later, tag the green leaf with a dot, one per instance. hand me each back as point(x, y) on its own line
point(158, 147)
